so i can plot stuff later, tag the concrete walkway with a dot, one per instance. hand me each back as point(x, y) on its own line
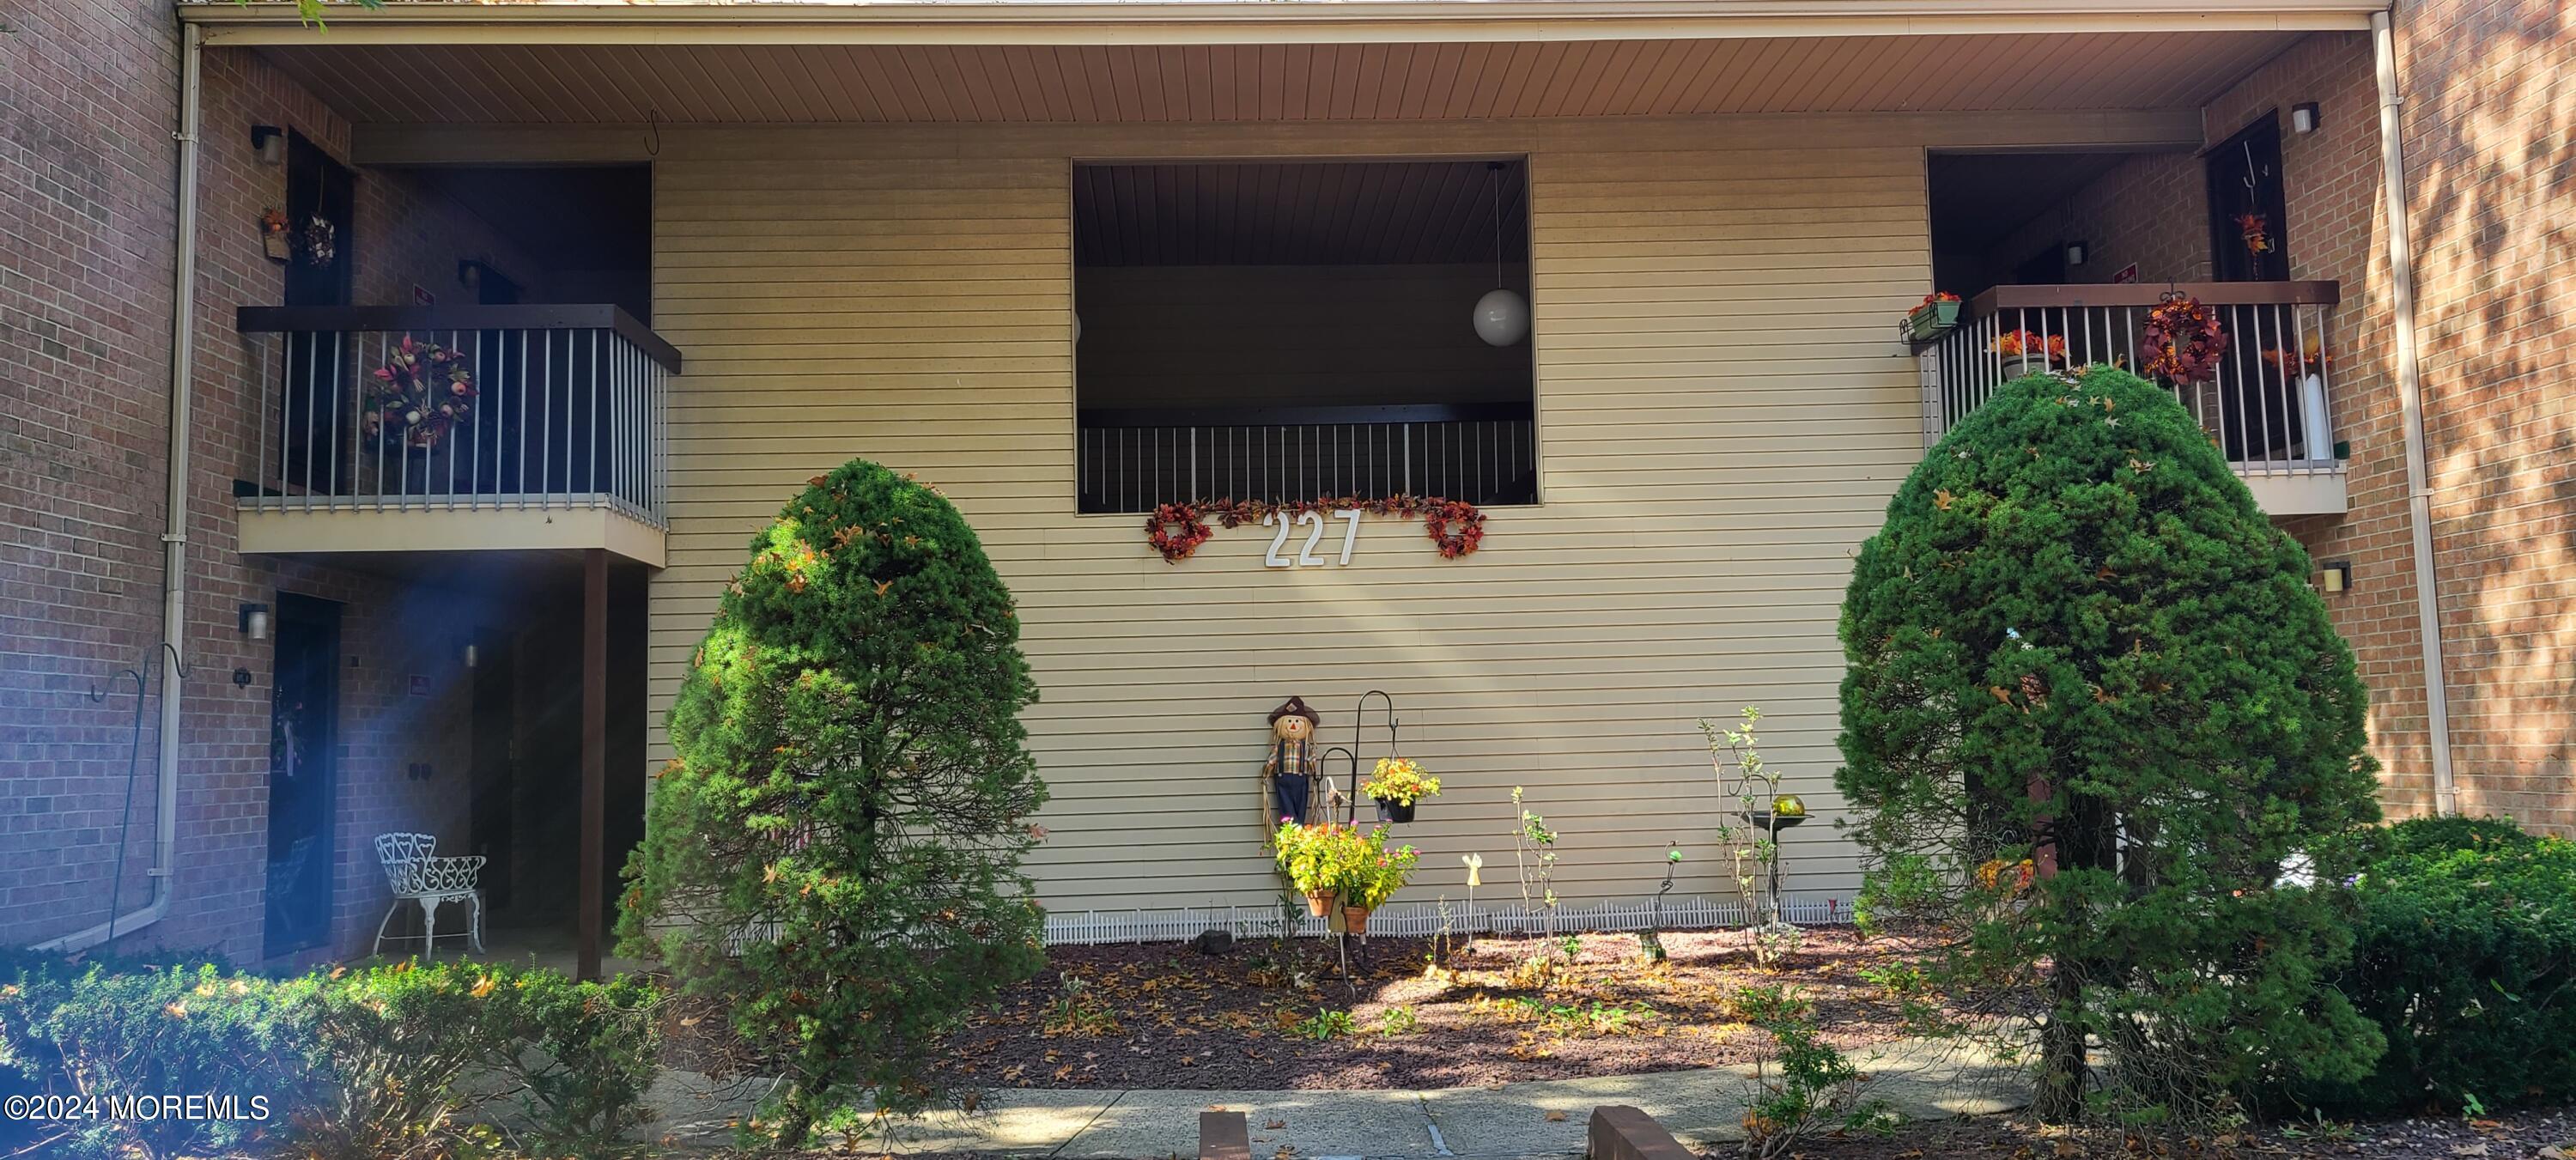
point(1701, 1107)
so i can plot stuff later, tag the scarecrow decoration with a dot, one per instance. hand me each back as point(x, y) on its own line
point(1288, 776)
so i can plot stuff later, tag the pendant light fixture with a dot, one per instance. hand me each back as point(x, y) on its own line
point(1502, 315)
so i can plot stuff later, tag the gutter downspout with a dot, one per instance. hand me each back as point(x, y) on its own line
point(174, 537)
point(2410, 402)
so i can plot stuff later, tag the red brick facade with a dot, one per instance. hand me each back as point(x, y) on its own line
point(88, 178)
point(2490, 122)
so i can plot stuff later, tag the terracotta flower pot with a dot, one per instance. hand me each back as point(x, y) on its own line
point(1355, 919)
point(1318, 904)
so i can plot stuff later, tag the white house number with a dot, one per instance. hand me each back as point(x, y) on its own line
point(1306, 557)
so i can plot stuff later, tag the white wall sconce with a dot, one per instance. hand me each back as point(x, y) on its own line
point(2335, 576)
point(269, 143)
point(473, 655)
point(254, 621)
point(2303, 117)
point(2077, 253)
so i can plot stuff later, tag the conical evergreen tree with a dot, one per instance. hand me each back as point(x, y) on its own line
point(834, 849)
point(2092, 709)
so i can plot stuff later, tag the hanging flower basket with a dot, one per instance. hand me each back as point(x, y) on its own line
point(1319, 904)
point(1355, 919)
point(1398, 785)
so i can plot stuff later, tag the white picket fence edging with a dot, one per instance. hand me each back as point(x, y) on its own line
point(1421, 920)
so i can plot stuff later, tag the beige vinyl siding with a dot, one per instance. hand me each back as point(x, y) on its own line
point(1724, 410)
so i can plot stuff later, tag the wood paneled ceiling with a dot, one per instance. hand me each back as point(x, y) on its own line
point(719, 83)
point(1319, 214)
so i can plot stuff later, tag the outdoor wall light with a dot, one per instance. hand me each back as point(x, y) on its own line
point(269, 142)
point(2076, 252)
point(473, 655)
point(2303, 117)
point(2335, 576)
point(254, 621)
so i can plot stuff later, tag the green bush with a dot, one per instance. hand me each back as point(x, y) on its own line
point(2466, 959)
point(2077, 640)
point(833, 852)
point(395, 1061)
point(2440, 833)
point(114, 1037)
point(413, 1053)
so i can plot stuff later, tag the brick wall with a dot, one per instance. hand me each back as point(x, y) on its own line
point(87, 105)
point(2490, 139)
point(2337, 229)
point(2150, 211)
point(86, 185)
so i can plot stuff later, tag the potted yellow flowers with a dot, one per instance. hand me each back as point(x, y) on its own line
point(1373, 878)
point(1397, 785)
point(1317, 859)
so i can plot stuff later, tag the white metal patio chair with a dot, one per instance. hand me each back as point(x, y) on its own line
point(417, 874)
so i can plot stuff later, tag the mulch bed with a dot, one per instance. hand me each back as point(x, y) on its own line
point(2549, 1133)
point(1167, 1016)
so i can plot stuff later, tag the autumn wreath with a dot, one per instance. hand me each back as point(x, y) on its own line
point(1454, 526)
point(1177, 529)
point(422, 391)
point(2183, 340)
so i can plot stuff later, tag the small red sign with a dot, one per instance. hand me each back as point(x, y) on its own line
point(420, 296)
point(2127, 274)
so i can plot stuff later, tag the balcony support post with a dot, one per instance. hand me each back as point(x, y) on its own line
point(2410, 403)
point(594, 754)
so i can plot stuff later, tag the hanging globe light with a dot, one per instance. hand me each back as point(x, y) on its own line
point(1502, 317)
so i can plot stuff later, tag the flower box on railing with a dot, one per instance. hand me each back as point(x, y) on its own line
point(1934, 318)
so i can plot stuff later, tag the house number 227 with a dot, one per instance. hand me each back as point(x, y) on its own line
point(1306, 557)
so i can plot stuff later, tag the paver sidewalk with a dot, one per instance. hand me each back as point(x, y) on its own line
point(1922, 1080)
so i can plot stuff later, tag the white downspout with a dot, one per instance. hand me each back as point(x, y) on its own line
point(174, 536)
point(2410, 403)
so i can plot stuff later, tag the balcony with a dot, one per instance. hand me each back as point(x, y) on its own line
point(1131, 460)
point(387, 430)
point(2269, 404)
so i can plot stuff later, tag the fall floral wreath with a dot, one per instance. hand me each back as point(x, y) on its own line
point(2183, 340)
point(421, 392)
point(1177, 529)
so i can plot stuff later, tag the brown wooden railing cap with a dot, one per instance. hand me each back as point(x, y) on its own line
point(2313, 293)
point(425, 319)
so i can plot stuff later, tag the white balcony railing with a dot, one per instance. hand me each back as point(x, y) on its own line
point(1132, 460)
point(2269, 402)
point(559, 407)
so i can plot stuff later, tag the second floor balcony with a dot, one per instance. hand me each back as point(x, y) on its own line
point(472, 428)
point(2268, 403)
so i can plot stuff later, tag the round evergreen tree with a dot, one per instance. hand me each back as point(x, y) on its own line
point(2092, 710)
point(834, 850)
